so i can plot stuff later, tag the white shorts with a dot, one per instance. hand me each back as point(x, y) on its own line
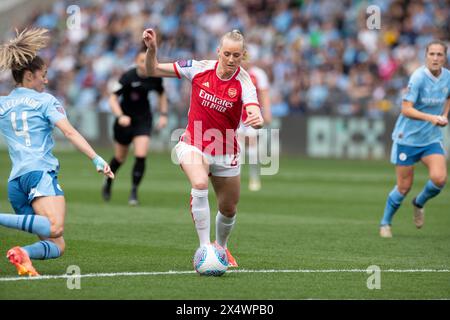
point(227, 165)
point(247, 131)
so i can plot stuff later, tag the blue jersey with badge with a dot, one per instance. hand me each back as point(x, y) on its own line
point(428, 94)
point(27, 119)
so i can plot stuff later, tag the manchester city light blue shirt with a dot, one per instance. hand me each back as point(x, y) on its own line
point(428, 94)
point(27, 119)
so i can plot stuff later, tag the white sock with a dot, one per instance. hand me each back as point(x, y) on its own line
point(200, 214)
point(224, 225)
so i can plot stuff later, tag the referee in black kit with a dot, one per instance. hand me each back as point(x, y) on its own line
point(130, 104)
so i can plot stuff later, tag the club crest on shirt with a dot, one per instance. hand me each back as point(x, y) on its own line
point(232, 92)
point(61, 110)
point(185, 63)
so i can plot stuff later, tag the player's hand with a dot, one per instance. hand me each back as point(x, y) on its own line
point(102, 166)
point(149, 37)
point(124, 121)
point(254, 117)
point(441, 121)
point(162, 122)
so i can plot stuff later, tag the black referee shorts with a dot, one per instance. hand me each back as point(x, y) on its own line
point(124, 135)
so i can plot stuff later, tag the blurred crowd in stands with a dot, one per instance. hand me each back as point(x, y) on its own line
point(320, 56)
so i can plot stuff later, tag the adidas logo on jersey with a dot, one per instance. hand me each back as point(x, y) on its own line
point(206, 84)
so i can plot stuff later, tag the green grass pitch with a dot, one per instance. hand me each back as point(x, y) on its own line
point(313, 215)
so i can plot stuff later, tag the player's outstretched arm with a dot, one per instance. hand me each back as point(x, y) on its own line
point(153, 67)
point(81, 144)
point(409, 111)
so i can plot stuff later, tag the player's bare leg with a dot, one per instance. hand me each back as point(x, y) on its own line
point(228, 192)
point(54, 208)
point(437, 169)
point(405, 176)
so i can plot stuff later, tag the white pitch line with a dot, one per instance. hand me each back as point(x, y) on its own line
point(338, 270)
point(134, 274)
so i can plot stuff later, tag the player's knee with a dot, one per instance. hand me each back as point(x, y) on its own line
point(439, 180)
point(121, 159)
point(200, 184)
point(229, 214)
point(228, 210)
point(56, 230)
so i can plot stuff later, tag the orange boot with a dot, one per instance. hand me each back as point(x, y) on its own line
point(231, 261)
point(20, 259)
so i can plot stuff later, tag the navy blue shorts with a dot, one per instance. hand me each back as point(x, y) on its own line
point(402, 155)
point(24, 189)
point(125, 135)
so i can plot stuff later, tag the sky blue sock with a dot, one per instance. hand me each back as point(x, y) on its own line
point(32, 223)
point(43, 250)
point(429, 191)
point(394, 200)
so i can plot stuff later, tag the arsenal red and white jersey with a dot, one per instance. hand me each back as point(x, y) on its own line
point(216, 105)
